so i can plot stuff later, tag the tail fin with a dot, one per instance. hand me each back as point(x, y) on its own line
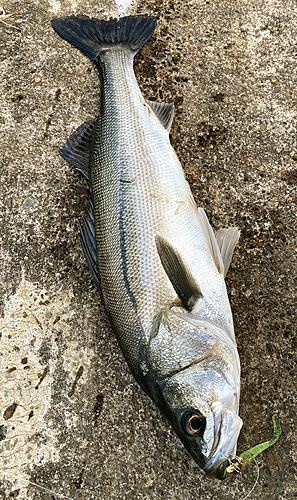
point(90, 35)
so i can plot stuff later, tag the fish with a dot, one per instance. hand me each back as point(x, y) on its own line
point(159, 267)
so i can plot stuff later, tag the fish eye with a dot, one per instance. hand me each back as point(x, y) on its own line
point(193, 423)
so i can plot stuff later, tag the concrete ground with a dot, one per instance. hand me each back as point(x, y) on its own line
point(72, 419)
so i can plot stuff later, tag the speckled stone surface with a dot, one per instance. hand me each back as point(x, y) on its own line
point(72, 419)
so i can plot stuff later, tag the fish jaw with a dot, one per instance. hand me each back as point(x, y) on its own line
point(227, 429)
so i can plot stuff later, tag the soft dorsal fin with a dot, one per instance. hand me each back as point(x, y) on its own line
point(212, 242)
point(163, 111)
point(77, 148)
point(180, 276)
point(227, 239)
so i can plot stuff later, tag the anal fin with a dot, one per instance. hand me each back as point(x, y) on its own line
point(164, 112)
point(77, 148)
point(178, 273)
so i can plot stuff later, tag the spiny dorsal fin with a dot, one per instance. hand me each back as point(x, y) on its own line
point(178, 273)
point(164, 111)
point(77, 148)
point(227, 239)
point(88, 243)
point(212, 242)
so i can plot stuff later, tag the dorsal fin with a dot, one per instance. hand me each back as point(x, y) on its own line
point(164, 111)
point(88, 243)
point(77, 148)
point(227, 239)
point(177, 271)
point(212, 242)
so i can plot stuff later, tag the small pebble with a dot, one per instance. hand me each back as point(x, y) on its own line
point(70, 70)
point(28, 202)
point(266, 472)
point(295, 157)
point(263, 126)
point(248, 293)
point(37, 79)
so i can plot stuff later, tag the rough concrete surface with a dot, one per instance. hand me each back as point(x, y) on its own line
point(72, 419)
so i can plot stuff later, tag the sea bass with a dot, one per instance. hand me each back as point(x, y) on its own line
point(155, 259)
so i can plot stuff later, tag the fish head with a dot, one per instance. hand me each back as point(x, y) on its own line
point(196, 368)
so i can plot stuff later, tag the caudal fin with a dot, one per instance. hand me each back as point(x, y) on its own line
point(91, 35)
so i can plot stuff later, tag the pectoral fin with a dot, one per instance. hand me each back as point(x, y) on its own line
point(180, 276)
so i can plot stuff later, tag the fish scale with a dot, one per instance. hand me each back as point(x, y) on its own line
point(144, 190)
point(160, 269)
point(135, 169)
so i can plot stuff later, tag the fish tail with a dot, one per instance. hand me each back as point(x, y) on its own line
point(91, 36)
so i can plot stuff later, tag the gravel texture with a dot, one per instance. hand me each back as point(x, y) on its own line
point(72, 419)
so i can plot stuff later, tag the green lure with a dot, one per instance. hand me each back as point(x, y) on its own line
point(248, 456)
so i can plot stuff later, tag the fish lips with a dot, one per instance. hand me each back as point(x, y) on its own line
point(219, 470)
point(225, 444)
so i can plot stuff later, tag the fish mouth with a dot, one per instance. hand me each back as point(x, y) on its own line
point(228, 426)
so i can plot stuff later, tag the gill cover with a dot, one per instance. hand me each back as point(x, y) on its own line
point(179, 339)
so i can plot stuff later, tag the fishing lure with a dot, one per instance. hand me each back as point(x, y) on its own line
point(248, 456)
